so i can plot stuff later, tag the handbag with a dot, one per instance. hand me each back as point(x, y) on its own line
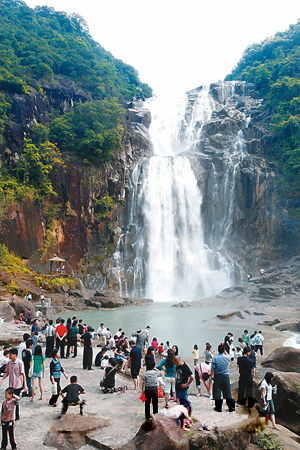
point(53, 389)
point(30, 372)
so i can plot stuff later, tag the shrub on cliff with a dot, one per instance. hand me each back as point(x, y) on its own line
point(273, 66)
point(11, 263)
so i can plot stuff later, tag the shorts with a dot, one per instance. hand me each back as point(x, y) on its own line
point(271, 409)
point(169, 385)
point(182, 395)
point(135, 370)
point(37, 375)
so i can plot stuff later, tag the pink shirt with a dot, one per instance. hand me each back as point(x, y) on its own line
point(15, 371)
point(203, 368)
point(154, 344)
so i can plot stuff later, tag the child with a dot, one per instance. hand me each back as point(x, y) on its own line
point(108, 382)
point(72, 391)
point(238, 352)
point(196, 354)
point(8, 413)
point(150, 385)
point(161, 349)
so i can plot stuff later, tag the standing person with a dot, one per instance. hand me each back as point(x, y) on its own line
point(55, 371)
point(246, 338)
point(72, 339)
point(135, 360)
point(170, 368)
point(150, 356)
point(34, 334)
point(141, 339)
point(183, 377)
point(266, 390)
point(208, 353)
point(102, 333)
point(26, 358)
point(15, 371)
point(246, 370)
point(50, 333)
point(87, 341)
point(38, 361)
point(258, 339)
point(8, 417)
point(220, 373)
point(80, 326)
point(202, 372)
point(150, 386)
point(228, 340)
point(22, 346)
point(61, 332)
point(28, 316)
point(195, 354)
point(252, 342)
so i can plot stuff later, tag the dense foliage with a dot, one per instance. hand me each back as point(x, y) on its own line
point(274, 67)
point(39, 49)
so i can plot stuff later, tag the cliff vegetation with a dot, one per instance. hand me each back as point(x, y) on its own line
point(273, 66)
point(43, 54)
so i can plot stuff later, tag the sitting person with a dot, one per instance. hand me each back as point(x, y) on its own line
point(72, 391)
point(104, 362)
point(120, 357)
point(108, 382)
point(3, 361)
point(100, 356)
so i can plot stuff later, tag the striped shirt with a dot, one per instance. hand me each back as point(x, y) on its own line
point(150, 378)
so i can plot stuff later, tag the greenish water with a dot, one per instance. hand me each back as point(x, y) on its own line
point(181, 326)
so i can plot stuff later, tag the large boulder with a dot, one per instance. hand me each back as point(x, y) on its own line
point(286, 400)
point(7, 312)
point(12, 334)
point(163, 434)
point(284, 359)
point(108, 299)
point(20, 305)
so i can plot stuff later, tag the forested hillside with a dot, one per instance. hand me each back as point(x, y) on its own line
point(274, 67)
point(42, 51)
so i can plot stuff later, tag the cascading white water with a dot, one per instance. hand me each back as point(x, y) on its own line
point(178, 267)
point(163, 254)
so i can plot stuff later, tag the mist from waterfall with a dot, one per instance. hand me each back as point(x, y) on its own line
point(162, 253)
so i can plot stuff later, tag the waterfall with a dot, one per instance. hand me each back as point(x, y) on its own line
point(174, 247)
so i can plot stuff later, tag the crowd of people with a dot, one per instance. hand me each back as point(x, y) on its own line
point(171, 376)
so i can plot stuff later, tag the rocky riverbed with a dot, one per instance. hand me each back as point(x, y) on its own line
point(112, 421)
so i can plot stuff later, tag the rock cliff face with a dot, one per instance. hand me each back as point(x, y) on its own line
point(224, 134)
point(67, 224)
point(243, 209)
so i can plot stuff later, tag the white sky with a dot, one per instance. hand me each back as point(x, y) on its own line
point(180, 45)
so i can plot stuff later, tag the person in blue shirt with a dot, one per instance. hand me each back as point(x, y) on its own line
point(34, 334)
point(220, 374)
point(170, 369)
